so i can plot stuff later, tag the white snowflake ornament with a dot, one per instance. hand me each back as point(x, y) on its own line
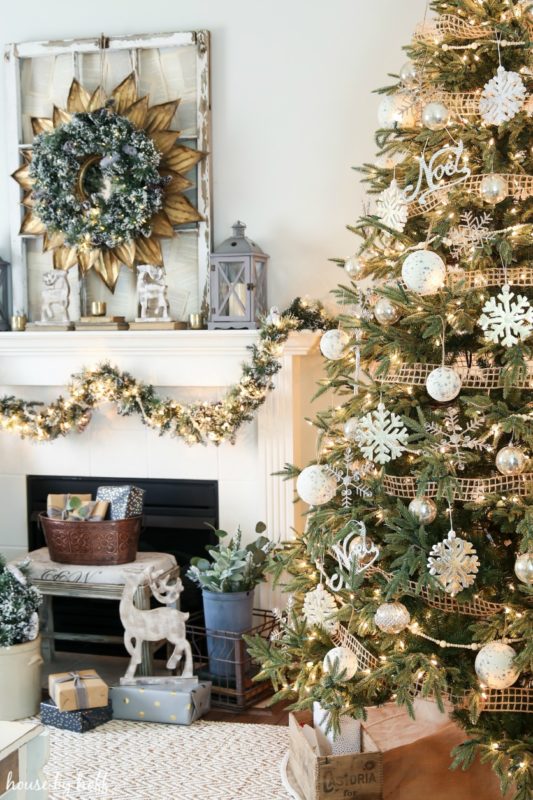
point(471, 233)
point(455, 563)
point(508, 321)
point(454, 438)
point(381, 436)
point(320, 609)
point(391, 207)
point(502, 97)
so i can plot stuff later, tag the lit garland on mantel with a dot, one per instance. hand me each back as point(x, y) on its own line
point(196, 423)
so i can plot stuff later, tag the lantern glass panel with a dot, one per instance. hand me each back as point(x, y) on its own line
point(260, 287)
point(4, 296)
point(232, 292)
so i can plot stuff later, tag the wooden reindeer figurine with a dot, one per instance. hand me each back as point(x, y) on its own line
point(155, 624)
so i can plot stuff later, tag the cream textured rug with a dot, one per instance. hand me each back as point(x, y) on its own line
point(145, 761)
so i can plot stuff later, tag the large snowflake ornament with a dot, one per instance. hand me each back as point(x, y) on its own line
point(507, 321)
point(454, 562)
point(502, 97)
point(351, 477)
point(381, 437)
point(320, 609)
point(391, 207)
point(471, 233)
point(451, 437)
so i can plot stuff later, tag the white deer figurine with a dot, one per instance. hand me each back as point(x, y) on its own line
point(154, 625)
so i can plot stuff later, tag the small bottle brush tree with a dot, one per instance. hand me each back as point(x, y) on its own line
point(428, 445)
point(19, 620)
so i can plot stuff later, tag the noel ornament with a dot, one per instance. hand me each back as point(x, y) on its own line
point(454, 562)
point(381, 435)
point(354, 267)
point(507, 318)
point(345, 662)
point(424, 272)
point(333, 343)
point(502, 97)
point(510, 460)
point(523, 568)
point(315, 485)
point(435, 116)
point(320, 609)
point(391, 207)
point(385, 312)
point(494, 665)
point(493, 189)
point(392, 617)
point(424, 509)
point(396, 110)
point(443, 384)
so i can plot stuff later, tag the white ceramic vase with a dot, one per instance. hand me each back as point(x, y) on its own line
point(20, 679)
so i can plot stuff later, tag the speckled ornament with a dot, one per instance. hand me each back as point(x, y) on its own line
point(493, 189)
point(511, 460)
point(396, 111)
point(424, 272)
point(348, 663)
point(443, 384)
point(494, 665)
point(386, 312)
point(333, 343)
point(424, 509)
point(315, 485)
point(392, 617)
point(523, 568)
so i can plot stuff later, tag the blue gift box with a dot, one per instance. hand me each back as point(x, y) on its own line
point(175, 703)
point(85, 719)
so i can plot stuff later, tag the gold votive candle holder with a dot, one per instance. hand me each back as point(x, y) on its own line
point(196, 322)
point(98, 308)
point(19, 322)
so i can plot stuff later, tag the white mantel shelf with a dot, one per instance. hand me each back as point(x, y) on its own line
point(164, 358)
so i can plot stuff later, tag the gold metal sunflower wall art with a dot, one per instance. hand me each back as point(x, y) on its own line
point(104, 182)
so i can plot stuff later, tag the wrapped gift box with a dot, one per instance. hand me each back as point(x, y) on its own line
point(59, 506)
point(72, 691)
point(79, 721)
point(125, 501)
point(161, 702)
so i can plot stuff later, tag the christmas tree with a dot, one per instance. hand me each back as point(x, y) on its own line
point(413, 575)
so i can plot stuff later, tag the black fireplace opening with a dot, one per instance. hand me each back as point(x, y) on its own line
point(177, 519)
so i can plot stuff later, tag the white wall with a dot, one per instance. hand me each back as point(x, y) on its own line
point(292, 110)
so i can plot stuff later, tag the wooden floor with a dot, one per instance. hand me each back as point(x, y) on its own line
point(276, 715)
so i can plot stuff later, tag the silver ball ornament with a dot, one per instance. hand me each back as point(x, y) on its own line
point(385, 312)
point(494, 665)
point(333, 343)
point(315, 485)
point(351, 427)
point(346, 661)
point(435, 116)
point(510, 460)
point(354, 267)
point(424, 509)
point(392, 617)
point(424, 272)
point(409, 74)
point(523, 568)
point(443, 384)
point(493, 189)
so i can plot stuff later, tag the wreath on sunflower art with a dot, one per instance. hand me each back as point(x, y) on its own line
point(104, 180)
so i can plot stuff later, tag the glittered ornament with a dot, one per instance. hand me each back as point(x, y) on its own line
point(333, 343)
point(354, 267)
point(443, 384)
point(315, 485)
point(320, 609)
point(435, 116)
point(392, 617)
point(344, 660)
point(494, 665)
point(396, 111)
point(424, 272)
point(523, 568)
point(502, 97)
point(409, 74)
point(424, 509)
point(454, 562)
point(385, 312)
point(511, 460)
point(351, 426)
point(493, 189)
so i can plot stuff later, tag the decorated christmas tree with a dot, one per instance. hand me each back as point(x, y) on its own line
point(413, 575)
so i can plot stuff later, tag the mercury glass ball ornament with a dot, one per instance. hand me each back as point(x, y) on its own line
point(493, 189)
point(443, 384)
point(494, 665)
point(523, 568)
point(316, 486)
point(435, 116)
point(396, 110)
point(351, 427)
point(424, 272)
point(332, 344)
point(392, 617)
point(409, 74)
point(510, 460)
point(354, 267)
point(347, 662)
point(424, 509)
point(385, 312)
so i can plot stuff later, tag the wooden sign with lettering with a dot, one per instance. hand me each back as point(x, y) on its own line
point(9, 771)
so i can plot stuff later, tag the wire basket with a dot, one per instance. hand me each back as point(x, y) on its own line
point(232, 671)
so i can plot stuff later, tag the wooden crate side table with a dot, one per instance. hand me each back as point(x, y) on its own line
point(24, 750)
point(104, 583)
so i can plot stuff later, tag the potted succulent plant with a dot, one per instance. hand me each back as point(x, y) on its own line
point(228, 581)
point(20, 644)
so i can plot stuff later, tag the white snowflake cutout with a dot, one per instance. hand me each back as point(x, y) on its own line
point(320, 609)
point(391, 207)
point(502, 97)
point(472, 232)
point(454, 562)
point(507, 321)
point(382, 436)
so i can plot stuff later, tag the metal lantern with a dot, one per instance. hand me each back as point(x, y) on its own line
point(238, 282)
point(4, 295)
